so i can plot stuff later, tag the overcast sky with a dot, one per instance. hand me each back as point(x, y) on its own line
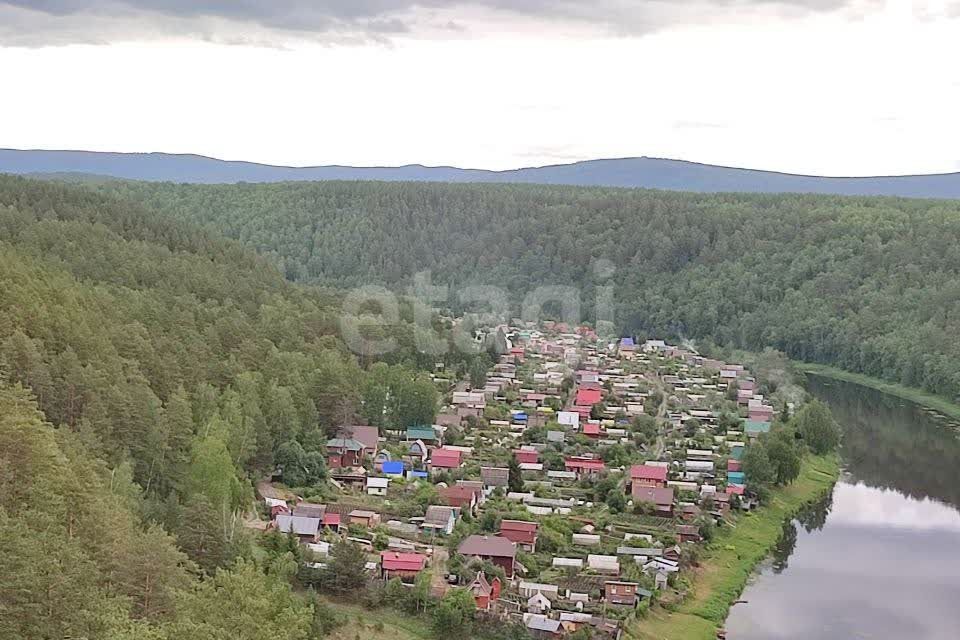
point(833, 87)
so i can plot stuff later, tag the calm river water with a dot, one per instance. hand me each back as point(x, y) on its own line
point(880, 558)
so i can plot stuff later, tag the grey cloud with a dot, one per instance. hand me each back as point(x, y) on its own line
point(43, 22)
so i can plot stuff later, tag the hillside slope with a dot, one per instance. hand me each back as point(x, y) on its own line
point(868, 284)
point(649, 173)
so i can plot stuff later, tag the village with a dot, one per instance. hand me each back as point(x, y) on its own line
point(569, 490)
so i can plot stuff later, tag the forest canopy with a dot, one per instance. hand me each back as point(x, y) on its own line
point(871, 285)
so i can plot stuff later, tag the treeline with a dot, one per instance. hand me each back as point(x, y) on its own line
point(867, 284)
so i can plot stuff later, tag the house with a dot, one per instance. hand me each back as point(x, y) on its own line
point(524, 456)
point(754, 428)
point(591, 429)
point(527, 589)
point(735, 489)
point(309, 510)
point(734, 465)
point(418, 452)
point(648, 475)
point(584, 466)
point(556, 436)
point(393, 468)
point(538, 603)
point(524, 534)
point(621, 593)
point(500, 551)
point(587, 397)
point(688, 533)
point(377, 486)
point(569, 418)
point(406, 566)
point(448, 419)
point(368, 436)
point(660, 497)
point(485, 593)
point(368, 519)
point(445, 459)
point(344, 452)
point(306, 529)
point(276, 507)
point(542, 627)
point(331, 521)
point(440, 519)
point(427, 434)
point(736, 477)
point(494, 477)
point(461, 497)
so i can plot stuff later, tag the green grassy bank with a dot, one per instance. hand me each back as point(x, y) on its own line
point(728, 562)
point(922, 398)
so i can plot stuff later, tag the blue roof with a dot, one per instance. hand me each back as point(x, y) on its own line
point(394, 467)
point(520, 416)
point(627, 342)
point(419, 474)
point(736, 477)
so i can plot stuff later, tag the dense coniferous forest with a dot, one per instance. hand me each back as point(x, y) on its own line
point(867, 284)
point(150, 373)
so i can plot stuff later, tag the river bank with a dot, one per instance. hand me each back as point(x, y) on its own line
point(918, 396)
point(728, 562)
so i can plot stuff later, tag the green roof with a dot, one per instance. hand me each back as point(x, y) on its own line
point(752, 426)
point(348, 444)
point(421, 433)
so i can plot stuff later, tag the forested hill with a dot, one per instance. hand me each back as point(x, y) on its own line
point(649, 173)
point(150, 372)
point(868, 284)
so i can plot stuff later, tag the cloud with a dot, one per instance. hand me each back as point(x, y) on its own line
point(54, 22)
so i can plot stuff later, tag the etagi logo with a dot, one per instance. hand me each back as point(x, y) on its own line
point(369, 312)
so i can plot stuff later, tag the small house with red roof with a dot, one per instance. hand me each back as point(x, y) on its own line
point(524, 534)
point(525, 456)
point(588, 397)
point(584, 466)
point(591, 429)
point(406, 566)
point(331, 521)
point(485, 593)
point(648, 475)
point(445, 459)
point(461, 497)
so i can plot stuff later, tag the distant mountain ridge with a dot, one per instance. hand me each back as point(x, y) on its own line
point(641, 172)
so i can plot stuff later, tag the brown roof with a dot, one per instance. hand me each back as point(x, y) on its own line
point(367, 436)
point(495, 476)
point(657, 495)
point(309, 510)
point(488, 547)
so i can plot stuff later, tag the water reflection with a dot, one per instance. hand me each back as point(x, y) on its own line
point(877, 558)
point(893, 444)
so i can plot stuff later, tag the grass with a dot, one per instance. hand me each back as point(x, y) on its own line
point(918, 396)
point(377, 624)
point(728, 562)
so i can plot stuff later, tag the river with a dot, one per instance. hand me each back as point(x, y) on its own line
point(880, 557)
